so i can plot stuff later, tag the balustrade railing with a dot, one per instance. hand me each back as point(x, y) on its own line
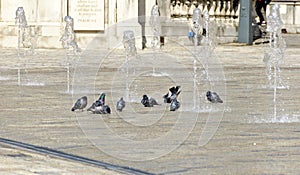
point(223, 10)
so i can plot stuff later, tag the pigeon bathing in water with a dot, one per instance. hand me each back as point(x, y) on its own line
point(120, 104)
point(173, 93)
point(99, 102)
point(174, 105)
point(81, 103)
point(213, 97)
point(99, 107)
point(104, 109)
point(148, 102)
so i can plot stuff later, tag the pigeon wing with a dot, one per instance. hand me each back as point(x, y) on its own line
point(77, 105)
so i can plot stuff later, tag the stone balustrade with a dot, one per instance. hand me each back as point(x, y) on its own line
point(218, 9)
point(228, 11)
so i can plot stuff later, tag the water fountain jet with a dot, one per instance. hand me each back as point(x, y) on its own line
point(275, 53)
point(155, 25)
point(20, 19)
point(130, 50)
point(69, 43)
point(196, 19)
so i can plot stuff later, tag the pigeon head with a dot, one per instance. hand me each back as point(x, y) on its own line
point(102, 98)
point(145, 97)
point(102, 95)
point(208, 93)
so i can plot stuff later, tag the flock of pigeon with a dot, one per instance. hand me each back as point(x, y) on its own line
point(99, 106)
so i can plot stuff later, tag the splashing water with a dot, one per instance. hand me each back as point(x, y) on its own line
point(206, 52)
point(26, 33)
point(130, 50)
point(196, 30)
point(294, 118)
point(20, 17)
point(22, 24)
point(68, 38)
point(207, 48)
point(275, 53)
point(155, 25)
point(69, 43)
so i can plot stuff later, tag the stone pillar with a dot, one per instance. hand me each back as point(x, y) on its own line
point(142, 20)
point(111, 12)
point(245, 23)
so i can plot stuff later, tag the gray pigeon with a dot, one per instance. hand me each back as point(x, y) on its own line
point(173, 93)
point(92, 108)
point(174, 105)
point(148, 102)
point(120, 104)
point(99, 102)
point(213, 97)
point(103, 109)
point(153, 101)
point(80, 104)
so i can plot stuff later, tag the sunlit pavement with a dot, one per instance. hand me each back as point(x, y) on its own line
point(248, 140)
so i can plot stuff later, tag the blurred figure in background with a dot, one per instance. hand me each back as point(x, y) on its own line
point(259, 5)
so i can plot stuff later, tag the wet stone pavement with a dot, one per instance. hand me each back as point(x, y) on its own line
point(247, 140)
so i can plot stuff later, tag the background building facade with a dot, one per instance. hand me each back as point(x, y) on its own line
point(95, 18)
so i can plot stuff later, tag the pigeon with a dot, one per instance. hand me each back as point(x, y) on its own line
point(173, 93)
point(213, 97)
point(120, 104)
point(92, 108)
point(174, 104)
point(81, 103)
point(99, 102)
point(148, 102)
point(99, 107)
point(104, 109)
